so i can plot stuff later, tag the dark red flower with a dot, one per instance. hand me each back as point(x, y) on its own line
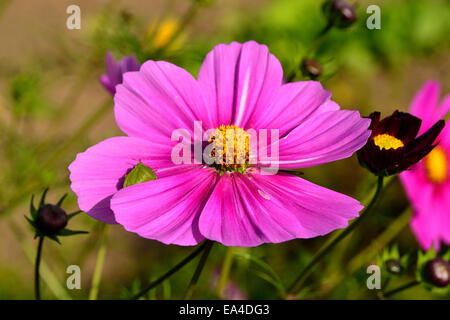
point(393, 146)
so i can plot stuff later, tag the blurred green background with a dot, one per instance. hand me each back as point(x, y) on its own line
point(52, 106)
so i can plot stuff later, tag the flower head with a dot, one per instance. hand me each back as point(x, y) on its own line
point(239, 91)
point(393, 146)
point(427, 184)
point(50, 220)
point(115, 71)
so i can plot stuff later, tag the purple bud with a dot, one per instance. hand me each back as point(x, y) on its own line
point(438, 271)
point(311, 68)
point(339, 13)
point(115, 70)
point(51, 219)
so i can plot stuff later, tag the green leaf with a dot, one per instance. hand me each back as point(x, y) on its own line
point(54, 238)
point(139, 174)
point(68, 232)
point(42, 202)
point(60, 201)
point(73, 214)
point(274, 279)
point(33, 210)
point(33, 224)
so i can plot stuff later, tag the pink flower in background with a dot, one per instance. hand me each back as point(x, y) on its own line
point(115, 71)
point(427, 184)
point(240, 85)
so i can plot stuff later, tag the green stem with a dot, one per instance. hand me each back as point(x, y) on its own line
point(401, 288)
point(169, 273)
point(316, 43)
point(198, 270)
point(381, 241)
point(226, 267)
point(36, 269)
point(93, 294)
point(298, 282)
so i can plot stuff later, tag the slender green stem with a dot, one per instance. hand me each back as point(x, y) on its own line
point(298, 282)
point(93, 294)
point(198, 270)
point(36, 269)
point(169, 273)
point(401, 288)
point(226, 267)
point(317, 42)
point(384, 238)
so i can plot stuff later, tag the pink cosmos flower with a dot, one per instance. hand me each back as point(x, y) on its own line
point(239, 85)
point(427, 184)
point(115, 71)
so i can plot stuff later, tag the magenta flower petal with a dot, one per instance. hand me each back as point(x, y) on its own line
point(293, 104)
point(324, 137)
point(424, 104)
point(248, 210)
point(98, 173)
point(240, 85)
point(239, 80)
point(430, 199)
point(155, 101)
point(166, 209)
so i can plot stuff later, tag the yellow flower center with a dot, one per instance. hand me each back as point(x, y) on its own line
point(386, 141)
point(231, 148)
point(436, 165)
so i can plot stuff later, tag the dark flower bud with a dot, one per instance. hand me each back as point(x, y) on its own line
point(51, 219)
point(394, 266)
point(438, 271)
point(339, 13)
point(311, 68)
point(393, 146)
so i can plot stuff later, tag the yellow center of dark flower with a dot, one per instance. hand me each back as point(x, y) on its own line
point(231, 148)
point(436, 165)
point(386, 141)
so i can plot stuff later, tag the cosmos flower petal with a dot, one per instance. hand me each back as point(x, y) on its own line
point(157, 100)
point(322, 138)
point(248, 210)
point(294, 103)
point(426, 230)
point(166, 209)
point(239, 81)
point(424, 104)
point(98, 173)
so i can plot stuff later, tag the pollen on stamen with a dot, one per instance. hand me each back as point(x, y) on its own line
point(386, 141)
point(231, 148)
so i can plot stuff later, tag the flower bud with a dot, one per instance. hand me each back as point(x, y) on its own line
point(51, 219)
point(339, 13)
point(438, 271)
point(394, 266)
point(311, 68)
